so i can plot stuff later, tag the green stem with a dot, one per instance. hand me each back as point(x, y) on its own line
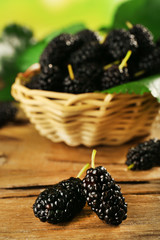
point(129, 24)
point(125, 59)
point(93, 158)
point(131, 166)
point(83, 170)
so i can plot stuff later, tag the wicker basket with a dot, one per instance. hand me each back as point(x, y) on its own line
point(90, 118)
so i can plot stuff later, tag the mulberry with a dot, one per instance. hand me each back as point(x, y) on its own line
point(61, 202)
point(144, 156)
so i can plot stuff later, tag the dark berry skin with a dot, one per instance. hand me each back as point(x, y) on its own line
point(7, 113)
point(144, 156)
point(104, 196)
point(51, 79)
point(86, 79)
point(61, 202)
point(87, 35)
point(118, 42)
point(59, 49)
point(144, 38)
point(90, 52)
point(150, 62)
point(113, 77)
point(78, 85)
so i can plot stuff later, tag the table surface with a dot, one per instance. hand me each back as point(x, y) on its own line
point(29, 163)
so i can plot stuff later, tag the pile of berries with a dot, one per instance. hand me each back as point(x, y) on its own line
point(62, 201)
point(80, 63)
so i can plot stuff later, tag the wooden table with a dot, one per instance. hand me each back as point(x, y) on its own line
point(29, 163)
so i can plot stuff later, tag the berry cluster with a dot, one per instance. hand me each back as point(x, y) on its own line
point(144, 156)
point(64, 200)
point(95, 65)
point(7, 112)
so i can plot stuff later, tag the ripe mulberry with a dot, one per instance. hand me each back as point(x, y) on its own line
point(61, 202)
point(144, 156)
point(114, 76)
point(104, 196)
point(118, 42)
point(144, 37)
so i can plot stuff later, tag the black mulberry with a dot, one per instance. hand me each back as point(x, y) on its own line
point(144, 156)
point(51, 79)
point(118, 42)
point(7, 112)
point(104, 196)
point(87, 35)
point(150, 62)
point(90, 52)
point(61, 202)
point(58, 50)
point(114, 76)
point(85, 79)
point(144, 37)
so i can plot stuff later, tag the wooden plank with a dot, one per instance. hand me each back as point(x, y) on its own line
point(34, 160)
point(18, 222)
point(127, 189)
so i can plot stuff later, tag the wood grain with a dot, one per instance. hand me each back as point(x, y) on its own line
point(32, 163)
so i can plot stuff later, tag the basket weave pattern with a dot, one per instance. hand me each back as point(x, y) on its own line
point(90, 118)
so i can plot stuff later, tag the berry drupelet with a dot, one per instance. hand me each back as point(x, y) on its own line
point(61, 202)
point(118, 42)
point(7, 112)
point(144, 156)
point(104, 196)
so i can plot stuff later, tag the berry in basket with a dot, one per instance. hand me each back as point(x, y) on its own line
point(95, 66)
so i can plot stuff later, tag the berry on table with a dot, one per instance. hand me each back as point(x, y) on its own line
point(62, 201)
point(144, 156)
point(104, 195)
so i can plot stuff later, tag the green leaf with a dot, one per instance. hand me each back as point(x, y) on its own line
point(145, 12)
point(149, 84)
point(32, 54)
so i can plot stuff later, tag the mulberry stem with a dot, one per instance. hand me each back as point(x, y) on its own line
point(70, 70)
point(129, 24)
point(130, 166)
point(110, 64)
point(125, 59)
point(83, 170)
point(137, 74)
point(93, 158)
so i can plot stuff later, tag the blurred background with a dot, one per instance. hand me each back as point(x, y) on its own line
point(27, 26)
